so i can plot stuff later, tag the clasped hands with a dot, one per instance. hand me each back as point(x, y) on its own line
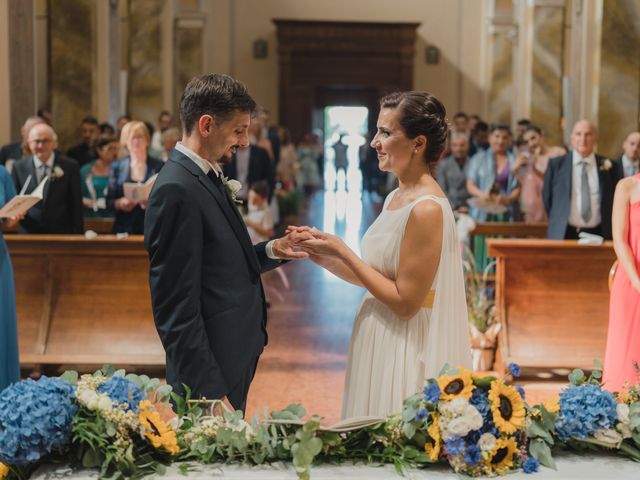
point(308, 242)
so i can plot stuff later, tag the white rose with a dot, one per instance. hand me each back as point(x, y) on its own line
point(234, 185)
point(622, 412)
point(487, 442)
point(625, 430)
point(104, 403)
point(459, 427)
point(93, 403)
point(473, 417)
point(87, 396)
point(58, 172)
point(459, 405)
point(608, 436)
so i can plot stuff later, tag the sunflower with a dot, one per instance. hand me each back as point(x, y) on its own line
point(500, 460)
point(4, 471)
point(433, 449)
point(507, 407)
point(156, 431)
point(552, 406)
point(458, 385)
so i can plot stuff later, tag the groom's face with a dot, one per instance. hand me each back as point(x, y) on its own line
point(230, 135)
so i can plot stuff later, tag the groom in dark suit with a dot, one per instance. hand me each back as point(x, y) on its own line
point(578, 188)
point(60, 211)
point(208, 301)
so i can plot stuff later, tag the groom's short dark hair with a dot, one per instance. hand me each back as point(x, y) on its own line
point(213, 94)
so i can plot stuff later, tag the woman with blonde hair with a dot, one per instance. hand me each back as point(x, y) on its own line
point(136, 167)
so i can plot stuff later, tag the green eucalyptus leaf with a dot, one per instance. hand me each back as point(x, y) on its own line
point(70, 376)
point(577, 377)
point(541, 452)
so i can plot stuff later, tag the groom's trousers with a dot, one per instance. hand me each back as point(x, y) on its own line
point(238, 394)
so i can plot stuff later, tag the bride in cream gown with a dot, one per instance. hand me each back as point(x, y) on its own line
point(413, 317)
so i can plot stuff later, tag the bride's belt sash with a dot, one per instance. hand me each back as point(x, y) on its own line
point(429, 299)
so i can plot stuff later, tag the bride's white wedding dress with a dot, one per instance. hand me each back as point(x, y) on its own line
point(389, 358)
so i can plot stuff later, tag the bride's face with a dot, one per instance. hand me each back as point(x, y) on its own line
point(393, 147)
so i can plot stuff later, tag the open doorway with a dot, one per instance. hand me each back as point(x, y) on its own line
point(344, 134)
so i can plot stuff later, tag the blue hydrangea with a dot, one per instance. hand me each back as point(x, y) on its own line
point(472, 455)
point(122, 390)
point(530, 465)
point(35, 419)
point(432, 392)
point(514, 370)
point(583, 410)
point(520, 391)
point(480, 400)
point(454, 446)
point(422, 414)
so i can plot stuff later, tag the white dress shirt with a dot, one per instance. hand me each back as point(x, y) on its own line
point(575, 217)
point(629, 169)
point(206, 166)
point(49, 163)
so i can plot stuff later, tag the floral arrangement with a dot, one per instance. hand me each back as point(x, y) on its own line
point(477, 424)
point(480, 426)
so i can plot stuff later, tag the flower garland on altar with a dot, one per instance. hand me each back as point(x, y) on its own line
point(481, 426)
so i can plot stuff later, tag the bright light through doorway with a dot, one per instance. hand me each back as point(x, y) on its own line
point(343, 190)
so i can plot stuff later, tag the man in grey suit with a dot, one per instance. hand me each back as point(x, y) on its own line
point(578, 188)
point(629, 162)
point(451, 172)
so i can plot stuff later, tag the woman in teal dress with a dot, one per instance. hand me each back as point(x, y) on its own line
point(9, 361)
point(94, 177)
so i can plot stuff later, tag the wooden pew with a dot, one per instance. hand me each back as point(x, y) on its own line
point(552, 298)
point(102, 226)
point(511, 229)
point(83, 302)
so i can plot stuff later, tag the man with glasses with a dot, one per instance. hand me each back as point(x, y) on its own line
point(60, 211)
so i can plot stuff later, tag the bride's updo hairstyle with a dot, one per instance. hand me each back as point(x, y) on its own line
point(421, 114)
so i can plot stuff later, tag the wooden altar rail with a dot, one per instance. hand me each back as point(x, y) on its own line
point(83, 302)
point(511, 229)
point(552, 299)
point(102, 226)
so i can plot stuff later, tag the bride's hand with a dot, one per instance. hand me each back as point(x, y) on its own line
point(323, 244)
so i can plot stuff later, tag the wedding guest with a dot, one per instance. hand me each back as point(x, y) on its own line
point(164, 123)
point(85, 151)
point(460, 123)
point(120, 123)
point(9, 361)
point(490, 177)
point(623, 340)
point(15, 151)
point(578, 188)
point(451, 172)
point(288, 167)
point(340, 160)
point(309, 173)
point(529, 169)
point(95, 179)
point(259, 220)
point(60, 210)
point(479, 138)
point(629, 162)
point(105, 129)
point(137, 166)
point(169, 138)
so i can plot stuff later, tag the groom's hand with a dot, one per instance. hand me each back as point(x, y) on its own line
point(285, 247)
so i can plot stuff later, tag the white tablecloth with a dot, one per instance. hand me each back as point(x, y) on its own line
point(600, 467)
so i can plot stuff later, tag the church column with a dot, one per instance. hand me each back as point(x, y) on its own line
point(21, 65)
point(189, 27)
point(501, 32)
point(583, 63)
point(538, 65)
point(107, 90)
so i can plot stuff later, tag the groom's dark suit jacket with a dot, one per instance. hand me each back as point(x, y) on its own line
point(556, 194)
point(208, 301)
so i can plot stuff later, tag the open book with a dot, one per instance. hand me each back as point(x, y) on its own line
point(139, 192)
point(21, 202)
point(346, 425)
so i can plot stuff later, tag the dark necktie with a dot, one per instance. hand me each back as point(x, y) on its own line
point(217, 181)
point(585, 193)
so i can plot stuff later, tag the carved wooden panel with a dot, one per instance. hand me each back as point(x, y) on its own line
point(350, 63)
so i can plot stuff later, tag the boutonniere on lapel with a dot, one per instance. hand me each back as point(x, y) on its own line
point(606, 165)
point(233, 187)
point(57, 173)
